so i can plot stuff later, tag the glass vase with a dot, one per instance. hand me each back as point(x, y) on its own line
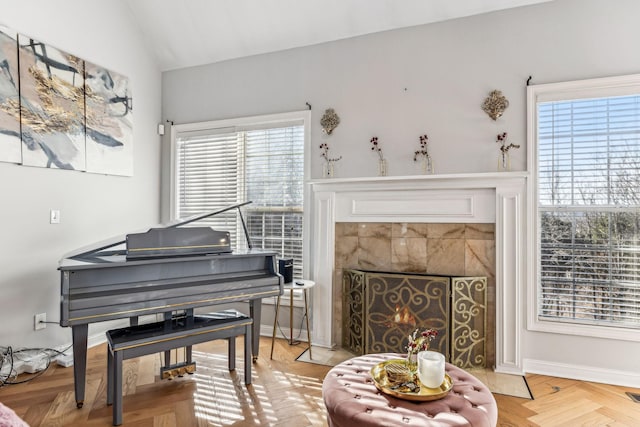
point(426, 165)
point(412, 365)
point(382, 167)
point(327, 169)
point(504, 162)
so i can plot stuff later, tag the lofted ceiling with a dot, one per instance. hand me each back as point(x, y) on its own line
point(185, 33)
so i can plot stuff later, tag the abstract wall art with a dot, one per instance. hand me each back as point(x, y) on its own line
point(60, 111)
point(109, 129)
point(51, 106)
point(10, 150)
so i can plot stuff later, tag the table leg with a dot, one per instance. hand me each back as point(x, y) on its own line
point(306, 315)
point(291, 317)
point(275, 322)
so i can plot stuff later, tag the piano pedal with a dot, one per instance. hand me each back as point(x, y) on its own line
point(178, 370)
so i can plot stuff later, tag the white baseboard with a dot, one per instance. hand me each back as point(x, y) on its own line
point(508, 370)
point(267, 331)
point(583, 373)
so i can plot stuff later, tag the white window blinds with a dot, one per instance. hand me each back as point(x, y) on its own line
point(263, 164)
point(588, 184)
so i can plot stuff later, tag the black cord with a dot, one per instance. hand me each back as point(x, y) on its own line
point(297, 338)
point(12, 355)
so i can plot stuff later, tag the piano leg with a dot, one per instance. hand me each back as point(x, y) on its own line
point(79, 335)
point(255, 312)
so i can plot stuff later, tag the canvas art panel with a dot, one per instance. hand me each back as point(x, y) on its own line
point(109, 121)
point(59, 111)
point(52, 106)
point(10, 150)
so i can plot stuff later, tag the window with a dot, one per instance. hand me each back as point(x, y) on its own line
point(261, 159)
point(586, 154)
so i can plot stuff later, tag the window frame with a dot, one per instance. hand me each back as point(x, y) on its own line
point(249, 121)
point(600, 87)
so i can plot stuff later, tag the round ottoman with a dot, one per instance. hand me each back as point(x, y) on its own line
point(352, 399)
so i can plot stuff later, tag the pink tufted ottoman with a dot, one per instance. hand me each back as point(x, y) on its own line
point(352, 399)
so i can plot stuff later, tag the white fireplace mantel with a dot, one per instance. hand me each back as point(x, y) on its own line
point(461, 198)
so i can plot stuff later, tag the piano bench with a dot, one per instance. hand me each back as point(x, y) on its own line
point(141, 340)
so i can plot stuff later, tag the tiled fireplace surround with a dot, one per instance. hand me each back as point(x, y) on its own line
point(437, 249)
point(469, 225)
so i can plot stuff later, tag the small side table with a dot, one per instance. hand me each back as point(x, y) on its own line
point(293, 286)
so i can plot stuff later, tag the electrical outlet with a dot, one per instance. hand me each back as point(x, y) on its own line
point(39, 321)
point(54, 216)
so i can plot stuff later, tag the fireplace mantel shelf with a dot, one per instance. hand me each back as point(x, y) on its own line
point(460, 177)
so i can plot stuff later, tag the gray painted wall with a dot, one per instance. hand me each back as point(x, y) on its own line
point(93, 207)
point(429, 79)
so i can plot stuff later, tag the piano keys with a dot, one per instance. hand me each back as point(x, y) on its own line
point(102, 284)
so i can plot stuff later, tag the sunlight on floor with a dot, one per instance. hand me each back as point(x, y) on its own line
point(222, 399)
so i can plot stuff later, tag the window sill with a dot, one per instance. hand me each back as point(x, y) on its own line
point(589, 331)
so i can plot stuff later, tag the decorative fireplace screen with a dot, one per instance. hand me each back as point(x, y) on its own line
point(381, 309)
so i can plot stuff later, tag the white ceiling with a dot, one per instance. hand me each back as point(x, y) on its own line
point(184, 33)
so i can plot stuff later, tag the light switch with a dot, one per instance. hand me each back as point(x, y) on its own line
point(54, 216)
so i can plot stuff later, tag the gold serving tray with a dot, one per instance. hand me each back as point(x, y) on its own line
point(379, 375)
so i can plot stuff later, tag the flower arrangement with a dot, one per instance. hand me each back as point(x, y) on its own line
point(376, 147)
point(427, 164)
point(325, 153)
point(502, 139)
point(329, 161)
point(418, 343)
point(504, 150)
point(423, 151)
point(382, 163)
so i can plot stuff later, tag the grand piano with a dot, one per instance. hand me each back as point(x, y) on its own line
point(113, 280)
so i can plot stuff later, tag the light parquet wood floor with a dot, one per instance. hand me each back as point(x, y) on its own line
point(284, 393)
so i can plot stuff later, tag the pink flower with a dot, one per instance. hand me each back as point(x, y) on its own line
point(420, 343)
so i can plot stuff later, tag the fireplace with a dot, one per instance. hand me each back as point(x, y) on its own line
point(412, 255)
point(381, 309)
point(454, 206)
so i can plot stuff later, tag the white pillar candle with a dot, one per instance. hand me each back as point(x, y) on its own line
point(431, 368)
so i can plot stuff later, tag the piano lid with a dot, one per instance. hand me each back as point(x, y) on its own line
point(116, 245)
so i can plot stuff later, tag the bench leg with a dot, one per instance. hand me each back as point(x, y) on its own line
point(117, 388)
point(189, 354)
point(109, 376)
point(232, 353)
point(247, 354)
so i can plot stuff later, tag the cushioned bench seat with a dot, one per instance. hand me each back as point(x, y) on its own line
point(140, 340)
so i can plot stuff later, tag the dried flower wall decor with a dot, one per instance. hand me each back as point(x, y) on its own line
point(329, 121)
point(495, 104)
